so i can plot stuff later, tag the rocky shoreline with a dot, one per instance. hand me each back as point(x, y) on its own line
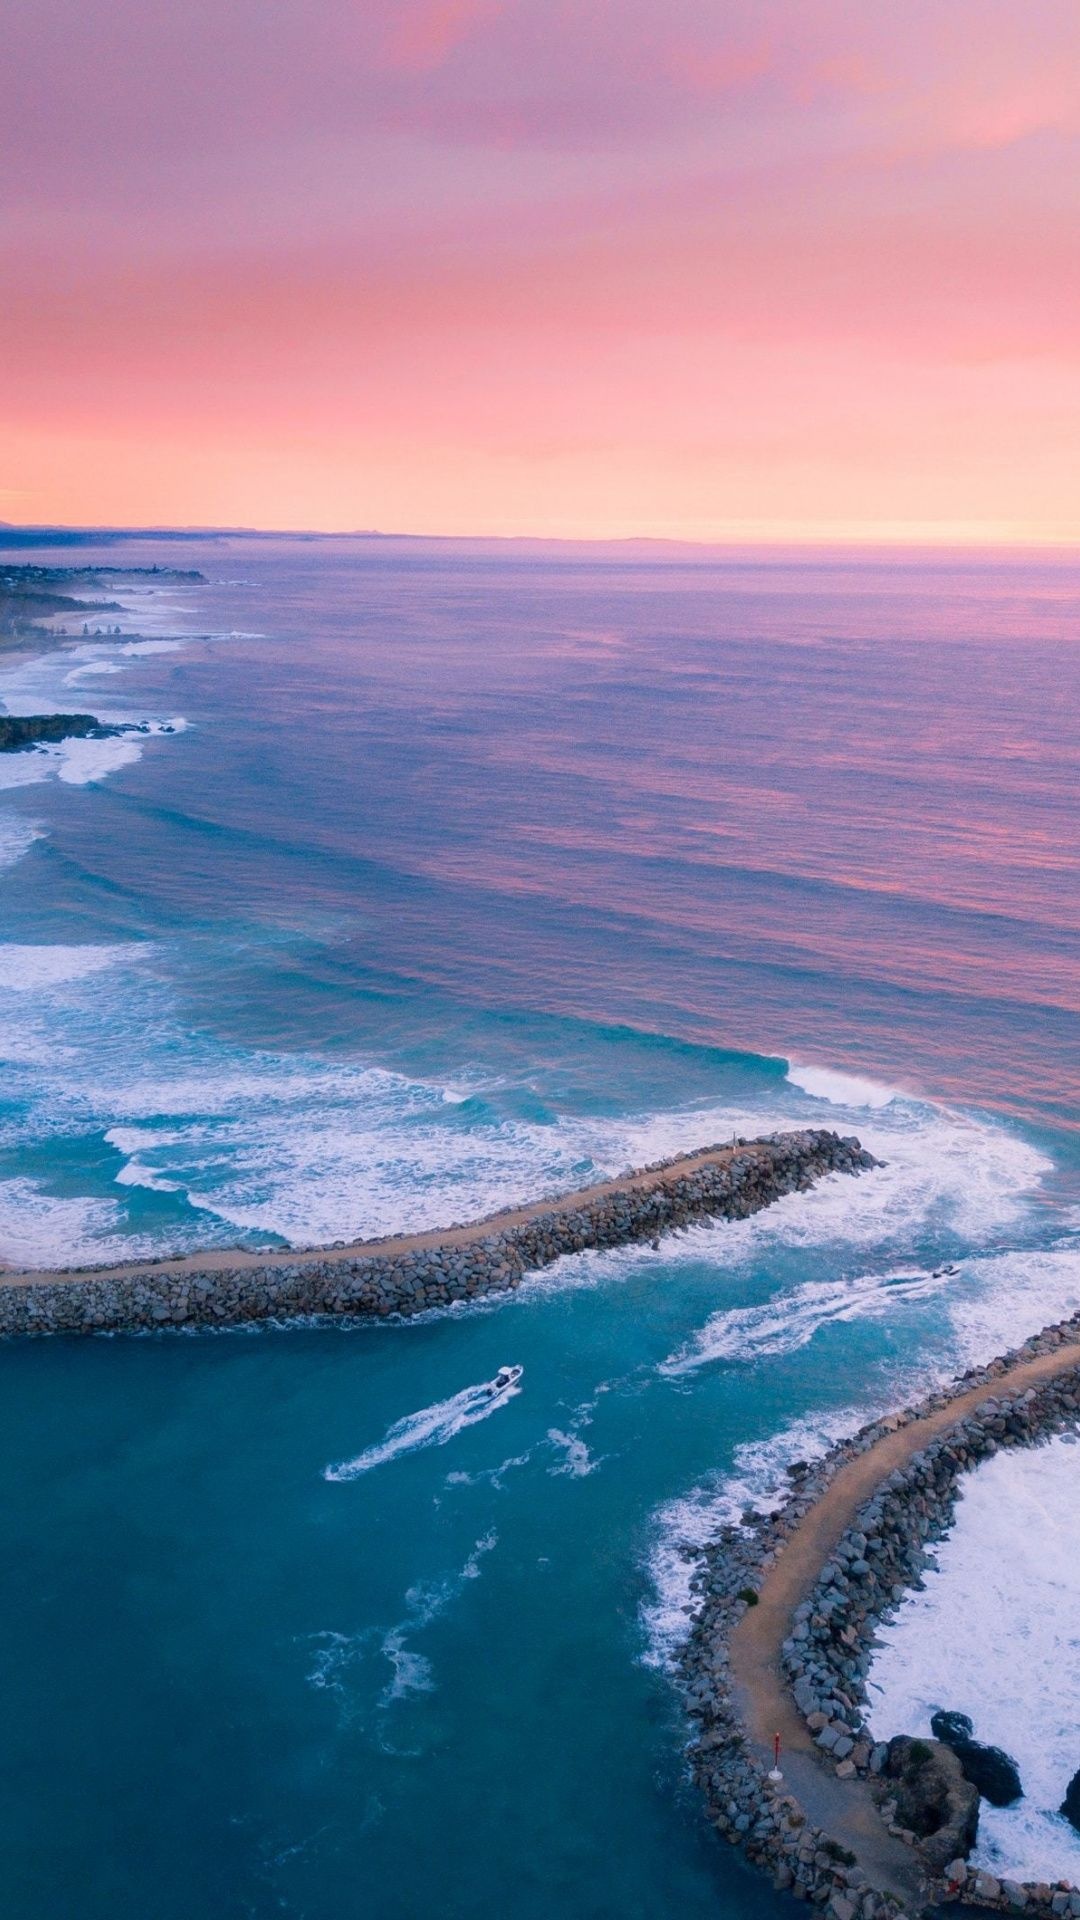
point(827, 1651)
point(407, 1276)
point(18, 731)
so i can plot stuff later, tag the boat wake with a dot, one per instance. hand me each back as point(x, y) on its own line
point(431, 1427)
point(791, 1320)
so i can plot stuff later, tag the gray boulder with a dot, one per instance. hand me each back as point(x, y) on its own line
point(933, 1799)
point(1070, 1806)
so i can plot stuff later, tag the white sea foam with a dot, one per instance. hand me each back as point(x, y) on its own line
point(81, 762)
point(412, 1671)
point(334, 1655)
point(1011, 1294)
point(27, 769)
point(33, 969)
point(91, 670)
point(489, 1476)
point(947, 1173)
point(358, 1136)
point(431, 1427)
point(41, 1228)
point(291, 1144)
point(577, 1461)
point(38, 685)
point(991, 1302)
point(17, 836)
point(133, 1142)
point(317, 1150)
point(339, 1657)
point(996, 1635)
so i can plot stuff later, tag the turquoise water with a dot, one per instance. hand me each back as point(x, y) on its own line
point(459, 877)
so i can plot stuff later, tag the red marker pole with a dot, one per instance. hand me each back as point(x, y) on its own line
point(776, 1749)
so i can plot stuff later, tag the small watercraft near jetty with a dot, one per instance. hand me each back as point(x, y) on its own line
point(506, 1377)
point(944, 1273)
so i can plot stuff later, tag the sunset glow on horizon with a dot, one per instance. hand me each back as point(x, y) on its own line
point(775, 270)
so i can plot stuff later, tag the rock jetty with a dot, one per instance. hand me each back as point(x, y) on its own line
point(894, 1812)
point(412, 1274)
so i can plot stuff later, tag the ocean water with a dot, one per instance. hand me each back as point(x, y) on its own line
point(438, 878)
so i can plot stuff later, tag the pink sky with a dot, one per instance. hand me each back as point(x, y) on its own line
point(705, 268)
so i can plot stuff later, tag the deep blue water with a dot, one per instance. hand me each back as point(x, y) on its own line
point(467, 874)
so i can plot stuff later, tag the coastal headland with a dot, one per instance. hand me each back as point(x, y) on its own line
point(781, 1646)
point(30, 593)
point(412, 1273)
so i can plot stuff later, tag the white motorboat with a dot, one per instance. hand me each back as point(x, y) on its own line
point(505, 1378)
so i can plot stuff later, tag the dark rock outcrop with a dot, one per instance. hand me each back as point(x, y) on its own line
point(951, 1727)
point(993, 1771)
point(18, 730)
point(1070, 1806)
point(933, 1799)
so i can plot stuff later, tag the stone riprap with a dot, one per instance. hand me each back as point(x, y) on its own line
point(409, 1275)
point(828, 1651)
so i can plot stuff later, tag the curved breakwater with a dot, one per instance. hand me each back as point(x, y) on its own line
point(790, 1603)
point(412, 1274)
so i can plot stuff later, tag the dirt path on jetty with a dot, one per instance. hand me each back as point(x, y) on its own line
point(844, 1809)
point(397, 1244)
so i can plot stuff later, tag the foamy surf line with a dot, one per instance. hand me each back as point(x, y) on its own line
point(82, 760)
point(16, 838)
point(685, 1525)
point(432, 1426)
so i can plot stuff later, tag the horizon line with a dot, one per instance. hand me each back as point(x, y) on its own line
point(912, 536)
